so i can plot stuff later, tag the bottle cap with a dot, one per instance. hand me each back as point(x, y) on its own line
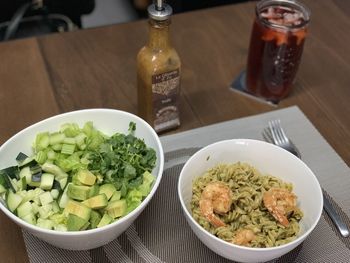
point(159, 11)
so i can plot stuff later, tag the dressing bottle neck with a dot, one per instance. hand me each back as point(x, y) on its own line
point(159, 34)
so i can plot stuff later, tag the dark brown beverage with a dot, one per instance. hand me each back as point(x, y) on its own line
point(276, 47)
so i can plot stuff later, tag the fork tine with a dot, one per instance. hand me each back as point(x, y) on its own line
point(277, 128)
point(267, 135)
point(281, 132)
point(274, 133)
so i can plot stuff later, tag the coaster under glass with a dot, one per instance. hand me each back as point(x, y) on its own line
point(239, 86)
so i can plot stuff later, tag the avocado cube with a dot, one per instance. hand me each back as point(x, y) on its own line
point(75, 223)
point(94, 190)
point(78, 192)
point(84, 177)
point(107, 189)
point(116, 196)
point(96, 202)
point(77, 209)
point(116, 208)
point(95, 218)
point(106, 219)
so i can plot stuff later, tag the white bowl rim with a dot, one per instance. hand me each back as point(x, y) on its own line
point(106, 227)
point(225, 243)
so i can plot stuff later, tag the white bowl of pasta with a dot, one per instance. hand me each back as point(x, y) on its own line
point(248, 200)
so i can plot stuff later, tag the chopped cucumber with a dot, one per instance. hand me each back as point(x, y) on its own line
point(2, 189)
point(45, 223)
point(45, 211)
point(24, 209)
point(13, 201)
point(30, 218)
point(45, 198)
point(60, 227)
point(46, 181)
point(64, 198)
point(62, 193)
point(55, 193)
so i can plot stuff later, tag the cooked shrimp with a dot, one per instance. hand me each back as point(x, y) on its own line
point(243, 237)
point(280, 202)
point(216, 197)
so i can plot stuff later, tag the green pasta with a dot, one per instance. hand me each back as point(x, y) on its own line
point(247, 210)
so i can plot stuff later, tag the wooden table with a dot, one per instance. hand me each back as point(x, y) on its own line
point(41, 77)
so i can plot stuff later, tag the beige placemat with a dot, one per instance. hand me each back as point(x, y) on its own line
point(161, 233)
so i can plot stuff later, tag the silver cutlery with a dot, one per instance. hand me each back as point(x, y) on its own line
point(276, 135)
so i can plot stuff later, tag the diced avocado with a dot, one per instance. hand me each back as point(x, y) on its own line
point(75, 223)
point(78, 192)
point(45, 198)
point(77, 209)
point(45, 223)
point(116, 196)
point(24, 209)
point(46, 181)
point(146, 185)
point(106, 219)
point(107, 189)
point(94, 190)
point(87, 224)
point(30, 218)
point(116, 208)
point(96, 202)
point(95, 218)
point(84, 177)
point(13, 200)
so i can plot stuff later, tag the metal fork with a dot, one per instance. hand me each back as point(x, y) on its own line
point(276, 135)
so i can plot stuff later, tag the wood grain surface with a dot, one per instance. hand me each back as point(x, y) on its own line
point(40, 77)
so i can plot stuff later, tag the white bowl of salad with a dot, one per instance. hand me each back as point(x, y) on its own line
point(79, 179)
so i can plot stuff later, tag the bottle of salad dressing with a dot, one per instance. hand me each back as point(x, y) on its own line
point(158, 73)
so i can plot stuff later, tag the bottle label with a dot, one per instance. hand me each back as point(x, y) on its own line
point(166, 89)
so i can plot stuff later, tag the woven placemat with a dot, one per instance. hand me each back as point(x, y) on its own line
point(161, 233)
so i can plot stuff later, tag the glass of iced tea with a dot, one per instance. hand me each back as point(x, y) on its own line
point(276, 46)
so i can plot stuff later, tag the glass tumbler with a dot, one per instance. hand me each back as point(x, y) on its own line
point(276, 46)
